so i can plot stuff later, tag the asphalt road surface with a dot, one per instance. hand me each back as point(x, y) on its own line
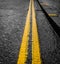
point(49, 40)
point(12, 22)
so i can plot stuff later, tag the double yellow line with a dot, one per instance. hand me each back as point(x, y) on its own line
point(23, 53)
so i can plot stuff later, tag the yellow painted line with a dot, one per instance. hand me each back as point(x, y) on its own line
point(45, 4)
point(36, 55)
point(53, 15)
point(24, 44)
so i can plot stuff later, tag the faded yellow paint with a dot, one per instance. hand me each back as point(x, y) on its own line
point(53, 14)
point(24, 44)
point(36, 55)
point(45, 4)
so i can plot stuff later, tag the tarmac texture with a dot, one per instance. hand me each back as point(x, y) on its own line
point(13, 15)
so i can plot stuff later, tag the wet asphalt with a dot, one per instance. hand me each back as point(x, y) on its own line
point(12, 21)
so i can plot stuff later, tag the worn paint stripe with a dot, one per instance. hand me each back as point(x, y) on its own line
point(36, 55)
point(24, 44)
point(52, 14)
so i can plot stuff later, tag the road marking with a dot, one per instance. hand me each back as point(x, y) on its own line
point(36, 55)
point(54, 15)
point(24, 44)
point(45, 4)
